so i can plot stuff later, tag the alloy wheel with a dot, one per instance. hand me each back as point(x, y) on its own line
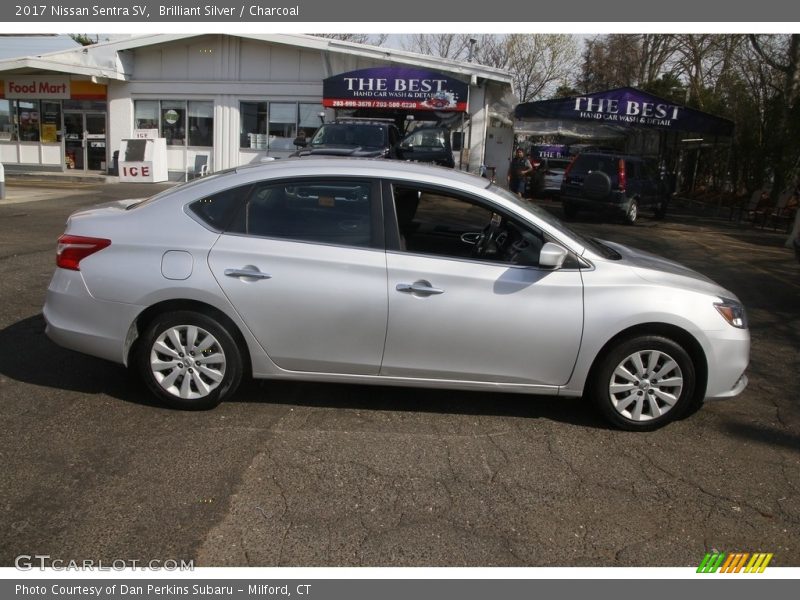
point(187, 362)
point(645, 385)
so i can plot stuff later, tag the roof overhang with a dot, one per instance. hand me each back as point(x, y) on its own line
point(616, 111)
point(104, 60)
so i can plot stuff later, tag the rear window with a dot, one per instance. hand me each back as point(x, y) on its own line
point(350, 134)
point(217, 211)
point(587, 163)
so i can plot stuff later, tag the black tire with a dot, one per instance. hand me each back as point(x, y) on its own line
point(649, 405)
point(661, 208)
point(631, 212)
point(181, 378)
point(570, 210)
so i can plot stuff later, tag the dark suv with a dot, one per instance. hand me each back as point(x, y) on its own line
point(378, 138)
point(614, 182)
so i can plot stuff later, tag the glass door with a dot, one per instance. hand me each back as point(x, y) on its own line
point(95, 141)
point(85, 141)
point(74, 142)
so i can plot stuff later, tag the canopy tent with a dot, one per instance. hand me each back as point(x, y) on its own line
point(614, 113)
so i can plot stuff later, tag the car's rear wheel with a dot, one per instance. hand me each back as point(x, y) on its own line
point(188, 360)
point(644, 383)
point(631, 213)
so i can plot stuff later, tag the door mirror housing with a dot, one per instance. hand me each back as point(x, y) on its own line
point(300, 141)
point(552, 256)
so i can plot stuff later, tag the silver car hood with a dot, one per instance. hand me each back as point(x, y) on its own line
point(660, 270)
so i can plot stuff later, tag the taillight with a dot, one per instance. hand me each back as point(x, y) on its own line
point(72, 249)
point(621, 175)
point(569, 168)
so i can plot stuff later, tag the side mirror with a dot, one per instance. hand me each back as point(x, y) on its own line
point(301, 141)
point(552, 256)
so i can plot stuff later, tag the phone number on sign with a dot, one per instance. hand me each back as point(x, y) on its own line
point(371, 104)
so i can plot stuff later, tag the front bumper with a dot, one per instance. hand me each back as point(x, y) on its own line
point(728, 356)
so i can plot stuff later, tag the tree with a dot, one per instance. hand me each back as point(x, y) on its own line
point(625, 60)
point(85, 39)
point(443, 45)
point(782, 53)
point(537, 62)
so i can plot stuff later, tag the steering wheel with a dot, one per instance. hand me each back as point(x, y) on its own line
point(488, 237)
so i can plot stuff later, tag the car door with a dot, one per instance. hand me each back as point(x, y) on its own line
point(304, 265)
point(496, 318)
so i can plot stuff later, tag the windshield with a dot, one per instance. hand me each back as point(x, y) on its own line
point(350, 134)
point(591, 243)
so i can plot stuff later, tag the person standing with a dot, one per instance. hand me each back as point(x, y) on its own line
point(518, 172)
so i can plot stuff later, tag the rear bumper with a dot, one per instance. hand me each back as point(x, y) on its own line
point(614, 203)
point(78, 321)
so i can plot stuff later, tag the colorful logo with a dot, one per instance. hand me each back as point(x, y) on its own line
point(734, 562)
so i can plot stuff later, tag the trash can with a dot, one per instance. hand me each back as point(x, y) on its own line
point(115, 164)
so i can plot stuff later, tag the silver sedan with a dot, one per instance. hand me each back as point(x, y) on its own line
point(380, 272)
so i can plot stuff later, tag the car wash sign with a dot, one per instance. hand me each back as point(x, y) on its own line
point(395, 88)
point(625, 107)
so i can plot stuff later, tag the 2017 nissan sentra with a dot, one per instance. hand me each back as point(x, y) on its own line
point(378, 272)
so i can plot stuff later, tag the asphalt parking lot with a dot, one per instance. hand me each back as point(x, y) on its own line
point(334, 475)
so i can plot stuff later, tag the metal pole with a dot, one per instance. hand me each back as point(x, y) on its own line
point(2, 181)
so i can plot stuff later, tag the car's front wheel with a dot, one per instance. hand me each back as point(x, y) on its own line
point(644, 382)
point(188, 360)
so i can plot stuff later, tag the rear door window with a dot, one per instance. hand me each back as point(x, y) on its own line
point(339, 212)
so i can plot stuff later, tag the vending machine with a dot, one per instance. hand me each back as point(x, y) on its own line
point(143, 159)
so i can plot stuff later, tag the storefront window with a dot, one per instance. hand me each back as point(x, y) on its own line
point(28, 118)
point(6, 121)
point(145, 114)
point(286, 121)
point(253, 117)
point(308, 118)
point(282, 126)
point(201, 123)
point(51, 121)
point(173, 122)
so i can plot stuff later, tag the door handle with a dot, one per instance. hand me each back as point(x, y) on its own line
point(252, 273)
point(419, 287)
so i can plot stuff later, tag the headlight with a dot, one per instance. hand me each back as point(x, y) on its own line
point(732, 312)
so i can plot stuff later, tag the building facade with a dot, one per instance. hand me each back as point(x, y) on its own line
point(223, 100)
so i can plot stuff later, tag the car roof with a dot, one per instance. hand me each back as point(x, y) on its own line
point(373, 167)
point(309, 166)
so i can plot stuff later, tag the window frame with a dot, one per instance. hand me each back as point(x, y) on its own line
point(392, 228)
point(377, 237)
point(298, 123)
point(184, 121)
